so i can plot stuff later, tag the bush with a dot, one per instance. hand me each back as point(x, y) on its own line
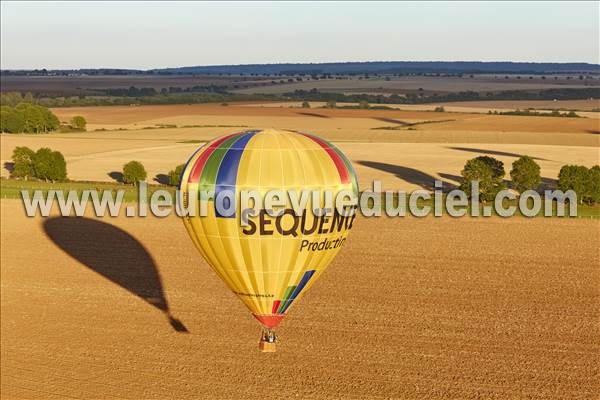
point(79, 123)
point(364, 105)
point(488, 171)
point(439, 109)
point(22, 158)
point(49, 165)
point(331, 104)
point(133, 172)
point(175, 175)
point(525, 174)
point(574, 177)
point(305, 104)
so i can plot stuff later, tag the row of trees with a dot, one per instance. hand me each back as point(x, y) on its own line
point(525, 175)
point(192, 97)
point(43, 164)
point(533, 113)
point(219, 94)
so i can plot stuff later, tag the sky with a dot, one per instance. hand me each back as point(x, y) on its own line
point(143, 35)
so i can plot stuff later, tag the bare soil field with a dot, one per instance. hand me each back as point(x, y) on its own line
point(93, 85)
point(429, 308)
point(580, 105)
point(89, 84)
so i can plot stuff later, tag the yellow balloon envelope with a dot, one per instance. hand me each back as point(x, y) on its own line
point(272, 260)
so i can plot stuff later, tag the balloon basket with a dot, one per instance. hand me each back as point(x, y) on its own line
point(267, 341)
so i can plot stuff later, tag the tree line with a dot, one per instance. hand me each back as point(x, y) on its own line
point(218, 94)
point(133, 91)
point(155, 99)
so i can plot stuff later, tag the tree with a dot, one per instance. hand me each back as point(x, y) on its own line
point(133, 172)
point(51, 122)
point(573, 177)
point(488, 171)
point(175, 175)
point(78, 122)
point(594, 184)
point(22, 158)
point(305, 104)
point(49, 165)
point(525, 174)
point(11, 120)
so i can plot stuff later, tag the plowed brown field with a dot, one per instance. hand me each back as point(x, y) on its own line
point(412, 308)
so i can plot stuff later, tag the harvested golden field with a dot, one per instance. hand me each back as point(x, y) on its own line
point(580, 105)
point(344, 124)
point(431, 308)
point(436, 145)
point(125, 115)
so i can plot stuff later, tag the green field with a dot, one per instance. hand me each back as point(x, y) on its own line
point(11, 189)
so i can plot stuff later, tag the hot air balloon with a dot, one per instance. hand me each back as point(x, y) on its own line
point(272, 260)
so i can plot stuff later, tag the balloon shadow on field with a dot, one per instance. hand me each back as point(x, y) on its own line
point(492, 152)
point(162, 179)
point(311, 114)
point(117, 176)
point(114, 254)
point(9, 166)
point(410, 175)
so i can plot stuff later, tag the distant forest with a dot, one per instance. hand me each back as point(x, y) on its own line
point(372, 67)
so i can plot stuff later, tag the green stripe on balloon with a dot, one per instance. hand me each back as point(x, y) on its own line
point(210, 170)
point(288, 293)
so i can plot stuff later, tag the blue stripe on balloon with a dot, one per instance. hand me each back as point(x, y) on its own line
point(305, 278)
point(227, 174)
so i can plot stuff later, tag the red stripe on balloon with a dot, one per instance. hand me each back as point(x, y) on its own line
point(337, 160)
point(275, 306)
point(201, 161)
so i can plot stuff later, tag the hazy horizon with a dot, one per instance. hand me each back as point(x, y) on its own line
point(135, 35)
point(306, 63)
